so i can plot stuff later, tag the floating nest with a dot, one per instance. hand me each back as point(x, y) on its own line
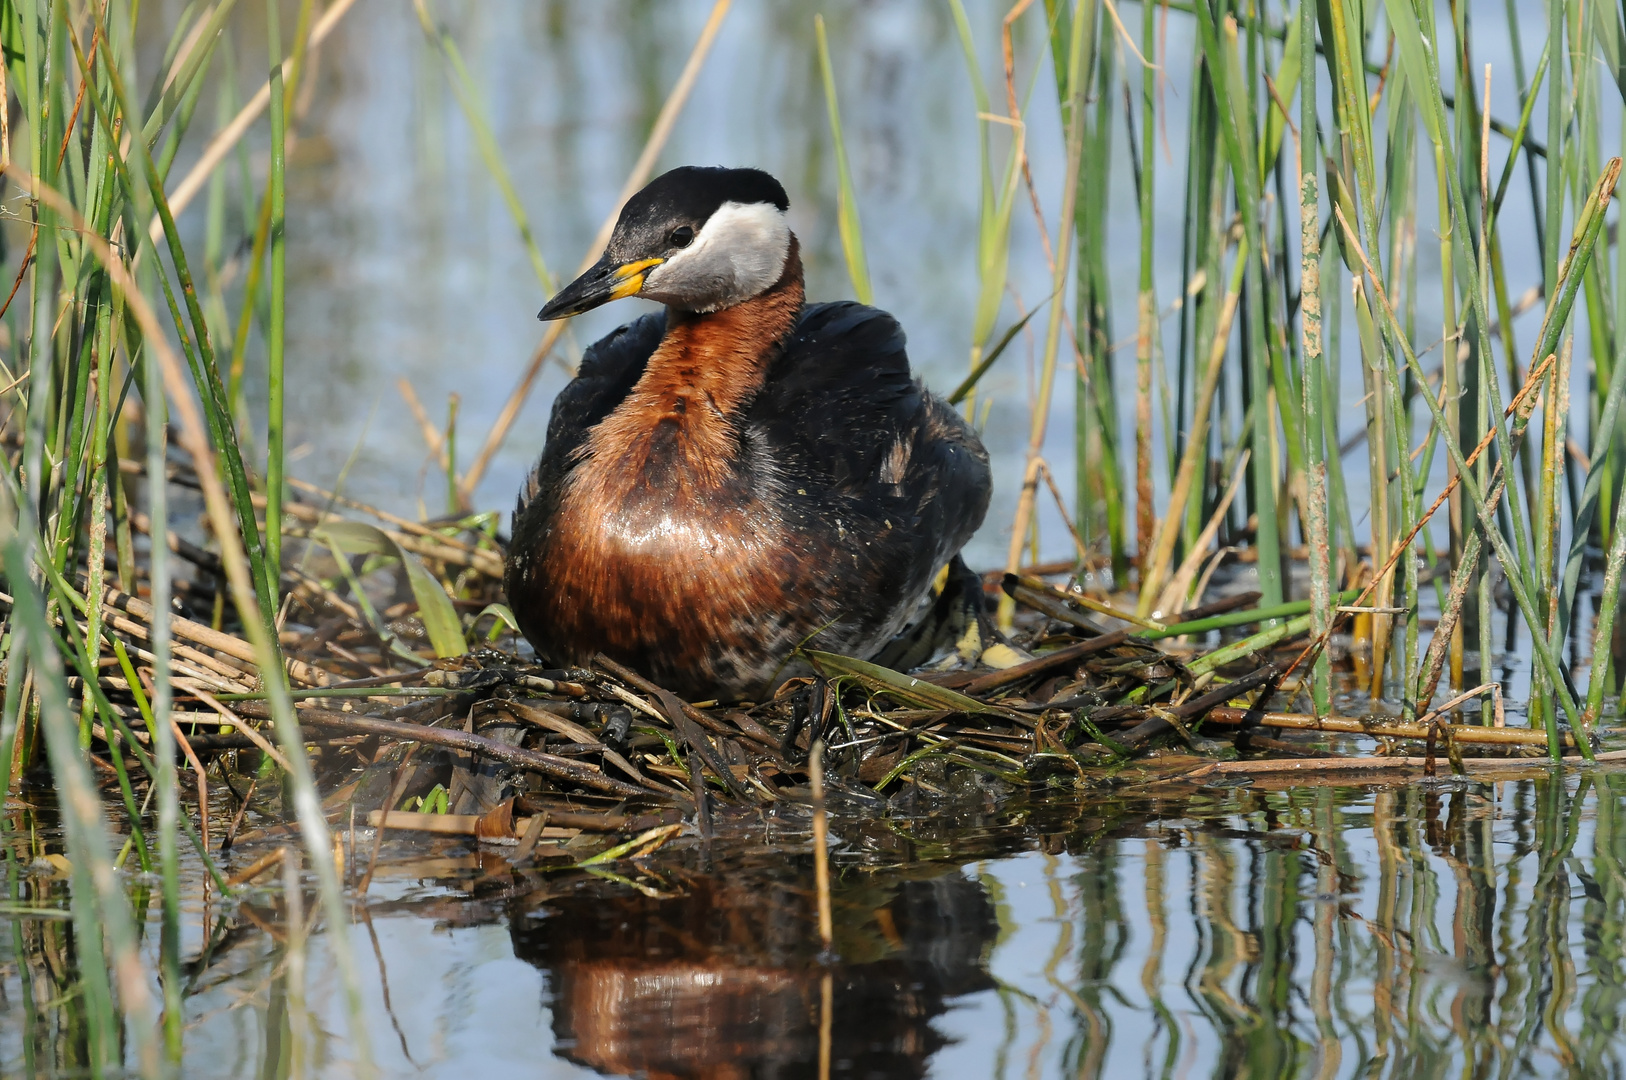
point(486, 743)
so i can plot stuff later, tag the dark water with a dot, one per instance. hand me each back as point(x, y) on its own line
point(1410, 930)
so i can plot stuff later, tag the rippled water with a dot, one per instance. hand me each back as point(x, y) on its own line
point(1447, 928)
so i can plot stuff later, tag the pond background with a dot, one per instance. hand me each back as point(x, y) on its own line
point(1457, 928)
point(404, 261)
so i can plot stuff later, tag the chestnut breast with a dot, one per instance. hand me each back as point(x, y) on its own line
point(667, 549)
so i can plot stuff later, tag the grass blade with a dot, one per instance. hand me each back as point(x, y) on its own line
point(435, 607)
point(852, 233)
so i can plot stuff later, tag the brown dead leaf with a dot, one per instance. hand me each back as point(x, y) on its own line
point(498, 824)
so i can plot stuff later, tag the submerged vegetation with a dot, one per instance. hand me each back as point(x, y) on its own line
point(183, 615)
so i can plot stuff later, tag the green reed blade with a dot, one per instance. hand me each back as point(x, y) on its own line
point(276, 326)
point(435, 607)
point(1386, 447)
point(970, 381)
point(1246, 618)
point(1523, 126)
point(1584, 513)
point(101, 911)
point(1341, 532)
point(474, 111)
point(1451, 382)
point(1401, 164)
point(1241, 650)
point(1285, 82)
point(174, 132)
point(252, 301)
point(1194, 247)
point(994, 220)
point(156, 415)
point(173, 85)
point(1096, 433)
point(97, 505)
point(1557, 109)
point(1604, 630)
point(1155, 569)
point(1236, 127)
point(852, 233)
point(81, 649)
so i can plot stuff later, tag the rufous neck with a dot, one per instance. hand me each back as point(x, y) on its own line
point(723, 355)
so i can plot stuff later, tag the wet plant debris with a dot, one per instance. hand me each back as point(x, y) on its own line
point(413, 729)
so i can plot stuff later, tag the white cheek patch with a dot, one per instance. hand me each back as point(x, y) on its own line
point(739, 253)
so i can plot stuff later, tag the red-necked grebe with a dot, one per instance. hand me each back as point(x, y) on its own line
point(741, 473)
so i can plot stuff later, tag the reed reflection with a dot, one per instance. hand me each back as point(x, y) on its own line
point(1456, 928)
point(1406, 930)
point(717, 976)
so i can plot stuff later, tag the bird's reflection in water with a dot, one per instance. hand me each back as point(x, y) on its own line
point(720, 976)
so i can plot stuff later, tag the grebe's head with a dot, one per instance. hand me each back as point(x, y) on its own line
point(696, 239)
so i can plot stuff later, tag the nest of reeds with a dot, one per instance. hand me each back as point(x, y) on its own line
point(408, 726)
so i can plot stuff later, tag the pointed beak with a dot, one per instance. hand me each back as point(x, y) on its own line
point(604, 281)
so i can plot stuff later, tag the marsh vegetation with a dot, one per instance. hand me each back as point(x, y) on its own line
point(1294, 328)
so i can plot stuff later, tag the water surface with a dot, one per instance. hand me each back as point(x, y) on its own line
point(1443, 928)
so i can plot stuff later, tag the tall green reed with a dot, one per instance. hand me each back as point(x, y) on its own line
point(103, 377)
point(852, 235)
point(1408, 138)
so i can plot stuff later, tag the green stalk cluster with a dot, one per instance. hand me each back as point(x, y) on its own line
point(103, 386)
point(1341, 111)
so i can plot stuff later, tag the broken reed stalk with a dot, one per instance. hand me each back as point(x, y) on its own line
point(1339, 768)
point(827, 1018)
point(1384, 728)
point(821, 847)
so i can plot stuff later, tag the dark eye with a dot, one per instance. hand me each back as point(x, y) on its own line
point(681, 237)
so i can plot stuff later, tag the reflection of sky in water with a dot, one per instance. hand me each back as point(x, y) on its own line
point(404, 261)
point(1188, 934)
